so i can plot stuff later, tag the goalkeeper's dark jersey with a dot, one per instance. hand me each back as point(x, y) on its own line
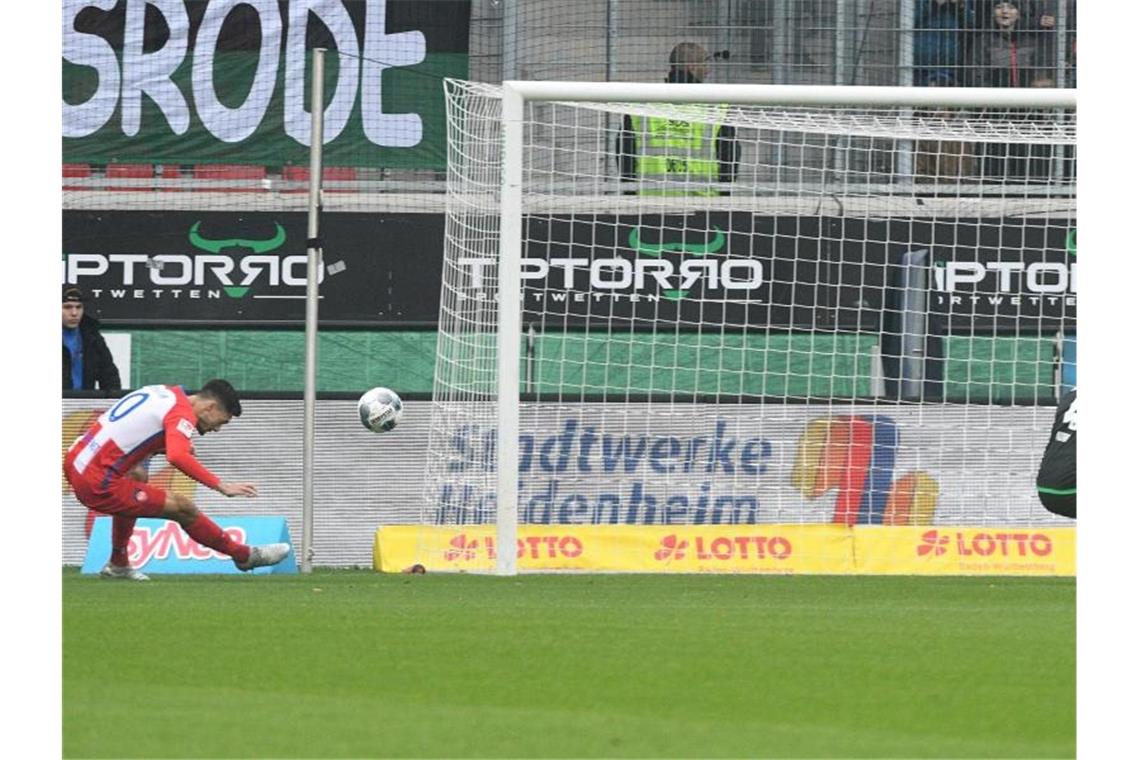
point(1058, 473)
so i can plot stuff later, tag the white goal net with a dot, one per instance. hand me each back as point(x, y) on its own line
point(752, 336)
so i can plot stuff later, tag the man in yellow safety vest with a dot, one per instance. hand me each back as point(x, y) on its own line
point(666, 156)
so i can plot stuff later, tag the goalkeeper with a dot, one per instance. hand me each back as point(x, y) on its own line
point(1057, 476)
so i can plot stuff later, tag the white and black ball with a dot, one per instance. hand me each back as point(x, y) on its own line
point(380, 410)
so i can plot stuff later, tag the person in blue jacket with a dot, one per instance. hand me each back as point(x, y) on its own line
point(87, 362)
point(940, 31)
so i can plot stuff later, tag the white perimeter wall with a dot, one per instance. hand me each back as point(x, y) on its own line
point(984, 460)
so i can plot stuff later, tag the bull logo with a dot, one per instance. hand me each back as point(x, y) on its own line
point(657, 250)
point(222, 244)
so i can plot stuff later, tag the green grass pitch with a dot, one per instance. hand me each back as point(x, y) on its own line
point(358, 664)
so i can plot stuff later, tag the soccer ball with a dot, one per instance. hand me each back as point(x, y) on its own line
point(380, 410)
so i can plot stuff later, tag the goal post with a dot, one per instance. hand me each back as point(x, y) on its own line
point(838, 322)
point(509, 332)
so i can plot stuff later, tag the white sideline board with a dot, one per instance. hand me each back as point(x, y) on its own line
point(120, 346)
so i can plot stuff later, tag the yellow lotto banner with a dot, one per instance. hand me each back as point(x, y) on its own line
point(948, 550)
point(784, 549)
point(623, 548)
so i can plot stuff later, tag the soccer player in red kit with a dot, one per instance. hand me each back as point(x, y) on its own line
point(103, 467)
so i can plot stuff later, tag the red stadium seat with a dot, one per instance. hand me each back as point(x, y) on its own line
point(330, 173)
point(129, 171)
point(76, 171)
point(171, 173)
point(229, 171)
point(247, 177)
point(297, 178)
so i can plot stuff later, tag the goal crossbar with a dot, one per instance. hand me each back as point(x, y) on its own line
point(791, 95)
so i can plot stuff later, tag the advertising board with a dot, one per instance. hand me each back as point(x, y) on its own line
point(213, 81)
point(738, 270)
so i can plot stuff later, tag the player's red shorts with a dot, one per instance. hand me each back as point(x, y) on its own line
point(118, 495)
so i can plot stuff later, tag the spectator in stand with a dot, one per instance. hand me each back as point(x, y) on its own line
point(1071, 30)
point(1011, 52)
point(679, 157)
point(1015, 52)
point(940, 39)
point(1046, 25)
point(943, 160)
point(87, 361)
point(1071, 81)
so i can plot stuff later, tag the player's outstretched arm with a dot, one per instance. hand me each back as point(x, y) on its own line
point(237, 489)
point(180, 453)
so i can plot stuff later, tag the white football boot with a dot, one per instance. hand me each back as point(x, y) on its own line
point(123, 573)
point(262, 556)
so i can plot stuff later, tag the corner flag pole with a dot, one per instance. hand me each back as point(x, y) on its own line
point(316, 142)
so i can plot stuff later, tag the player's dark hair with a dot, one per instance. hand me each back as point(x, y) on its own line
point(224, 393)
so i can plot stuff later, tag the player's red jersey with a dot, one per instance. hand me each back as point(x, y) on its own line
point(150, 420)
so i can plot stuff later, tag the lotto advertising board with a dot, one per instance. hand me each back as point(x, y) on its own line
point(212, 81)
point(769, 548)
point(810, 273)
point(950, 487)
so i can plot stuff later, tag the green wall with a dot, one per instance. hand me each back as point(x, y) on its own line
point(730, 364)
point(825, 365)
point(275, 360)
point(999, 368)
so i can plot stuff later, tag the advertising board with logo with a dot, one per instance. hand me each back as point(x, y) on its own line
point(163, 547)
point(958, 550)
point(703, 464)
point(741, 269)
point(781, 549)
point(219, 269)
point(210, 81)
point(738, 468)
point(770, 548)
point(820, 273)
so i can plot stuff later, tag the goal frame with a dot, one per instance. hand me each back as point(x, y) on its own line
point(515, 96)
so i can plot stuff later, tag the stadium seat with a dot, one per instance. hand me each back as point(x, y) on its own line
point(334, 173)
point(129, 171)
point(169, 176)
point(297, 177)
point(75, 171)
point(247, 177)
